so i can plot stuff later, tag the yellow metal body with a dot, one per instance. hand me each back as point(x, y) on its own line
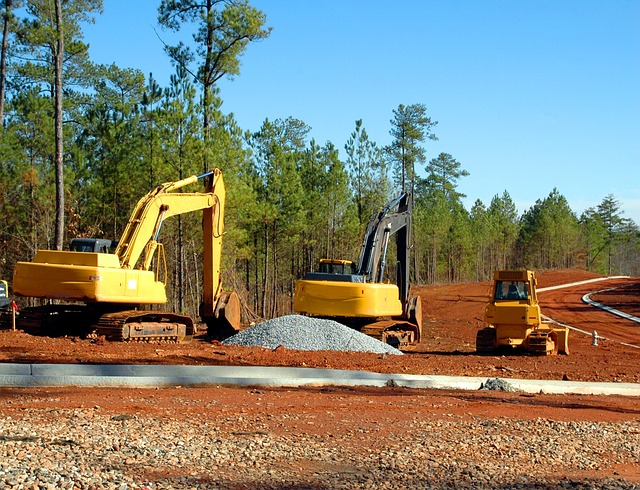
point(346, 299)
point(514, 314)
point(86, 276)
point(126, 276)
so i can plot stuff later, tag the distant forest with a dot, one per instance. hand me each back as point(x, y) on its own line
point(80, 143)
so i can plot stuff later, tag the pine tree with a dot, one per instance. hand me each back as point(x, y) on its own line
point(222, 33)
point(504, 226)
point(367, 171)
point(50, 38)
point(410, 127)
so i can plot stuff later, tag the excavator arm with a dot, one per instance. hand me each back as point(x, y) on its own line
point(141, 234)
point(145, 222)
point(394, 218)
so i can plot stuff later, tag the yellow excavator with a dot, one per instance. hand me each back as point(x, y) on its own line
point(513, 315)
point(106, 292)
point(357, 296)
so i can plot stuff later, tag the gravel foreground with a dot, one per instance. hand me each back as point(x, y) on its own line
point(87, 449)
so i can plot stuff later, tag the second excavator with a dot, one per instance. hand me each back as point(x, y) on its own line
point(357, 295)
point(111, 293)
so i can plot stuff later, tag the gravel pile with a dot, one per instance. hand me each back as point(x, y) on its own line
point(299, 332)
point(497, 384)
point(87, 449)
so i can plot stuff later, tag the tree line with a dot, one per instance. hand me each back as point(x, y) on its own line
point(81, 142)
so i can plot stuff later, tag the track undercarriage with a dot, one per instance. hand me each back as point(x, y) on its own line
point(543, 341)
point(124, 325)
point(397, 333)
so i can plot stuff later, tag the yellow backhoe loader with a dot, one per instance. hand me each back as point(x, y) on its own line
point(358, 296)
point(105, 292)
point(513, 315)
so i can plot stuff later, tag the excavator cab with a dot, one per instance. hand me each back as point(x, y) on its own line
point(335, 270)
point(99, 245)
point(337, 266)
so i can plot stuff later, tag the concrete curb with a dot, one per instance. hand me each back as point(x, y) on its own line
point(149, 376)
point(580, 283)
point(587, 299)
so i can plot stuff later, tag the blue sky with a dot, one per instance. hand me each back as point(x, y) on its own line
point(529, 95)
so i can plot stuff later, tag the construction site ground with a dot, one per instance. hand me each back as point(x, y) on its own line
point(452, 315)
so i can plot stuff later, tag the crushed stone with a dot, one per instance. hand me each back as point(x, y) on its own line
point(298, 332)
point(497, 384)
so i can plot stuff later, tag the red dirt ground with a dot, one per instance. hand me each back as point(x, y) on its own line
point(452, 313)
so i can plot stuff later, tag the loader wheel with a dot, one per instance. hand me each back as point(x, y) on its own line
point(486, 341)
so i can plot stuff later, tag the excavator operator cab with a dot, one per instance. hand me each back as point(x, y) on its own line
point(337, 266)
point(335, 270)
point(100, 245)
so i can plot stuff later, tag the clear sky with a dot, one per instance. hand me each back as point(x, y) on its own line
point(529, 95)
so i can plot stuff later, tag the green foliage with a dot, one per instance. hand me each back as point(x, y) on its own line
point(549, 234)
point(504, 226)
point(605, 236)
point(481, 240)
point(367, 170)
point(443, 174)
point(222, 32)
point(410, 127)
point(289, 200)
point(110, 142)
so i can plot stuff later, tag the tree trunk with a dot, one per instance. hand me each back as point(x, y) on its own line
point(207, 85)
point(3, 56)
point(256, 289)
point(265, 282)
point(274, 305)
point(58, 58)
point(180, 266)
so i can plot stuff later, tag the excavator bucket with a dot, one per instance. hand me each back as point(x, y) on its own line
point(414, 312)
point(226, 319)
